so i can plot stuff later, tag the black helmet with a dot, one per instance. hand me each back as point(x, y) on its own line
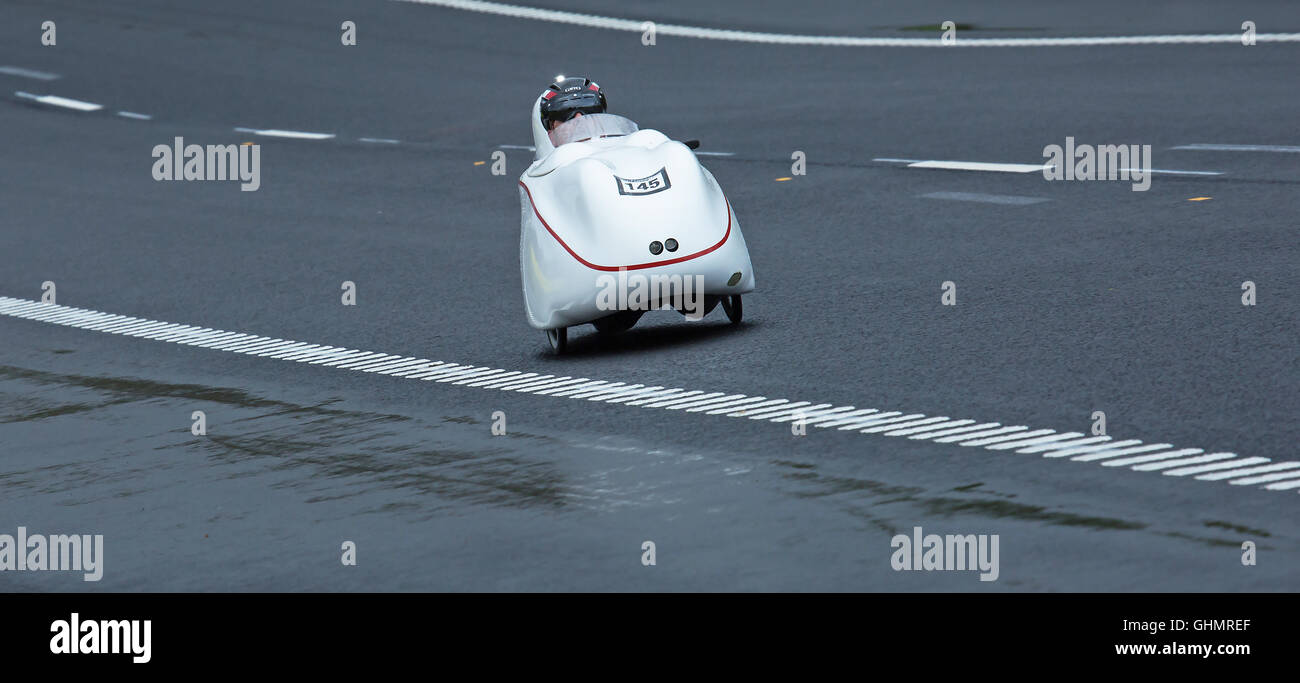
point(568, 96)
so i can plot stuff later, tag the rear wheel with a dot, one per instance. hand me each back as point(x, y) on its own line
point(559, 339)
point(731, 305)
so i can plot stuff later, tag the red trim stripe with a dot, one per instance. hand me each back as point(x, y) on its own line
point(638, 266)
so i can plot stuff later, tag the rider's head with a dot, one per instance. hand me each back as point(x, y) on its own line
point(569, 97)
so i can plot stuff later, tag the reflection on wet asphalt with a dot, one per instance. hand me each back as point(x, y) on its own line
point(322, 452)
point(264, 500)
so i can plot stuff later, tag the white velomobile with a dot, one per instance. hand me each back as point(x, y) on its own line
point(616, 221)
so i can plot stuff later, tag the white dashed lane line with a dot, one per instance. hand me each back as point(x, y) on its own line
point(1130, 454)
point(62, 102)
point(28, 73)
point(986, 198)
point(998, 167)
point(663, 29)
point(1238, 148)
point(698, 153)
point(277, 133)
point(1171, 172)
point(980, 166)
point(79, 105)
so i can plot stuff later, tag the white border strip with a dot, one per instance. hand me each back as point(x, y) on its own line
point(989, 436)
point(637, 25)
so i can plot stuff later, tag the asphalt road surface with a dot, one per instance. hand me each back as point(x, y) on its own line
point(1072, 297)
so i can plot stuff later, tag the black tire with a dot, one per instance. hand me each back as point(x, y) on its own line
point(617, 322)
point(731, 305)
point(559, 339)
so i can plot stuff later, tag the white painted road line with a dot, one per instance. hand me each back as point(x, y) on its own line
point(776, 408)
point(1166, 464)
point(709, 403)
point(989, 436)
point(1239, 148)
point(734, 412)
point(1030, 442)
point(980, 166)
point(588, 389)
point(56, 101)
point(798, 406)
point(133, 115)
point(661, 30)
point(1264, 478)
point(1000, 439)
point(957, 430)
point(530, 148)
point(1107, 454)
point(730, 405)
point(276, 133)
point(1008, 168)
point(850, 418)
point(1231, 464)
point(1216, 476)
point(651, 392)
point(1170, 172)
point(1089, 449)
point(906, 425)
point(888, 418)
point(381, 141)
point(1153, 458)
point(981, 434)
point(1065, 447)
point(28, 73)
point(928, 428)
point(621, 395)
point(1009, 199)
point(806, 414)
